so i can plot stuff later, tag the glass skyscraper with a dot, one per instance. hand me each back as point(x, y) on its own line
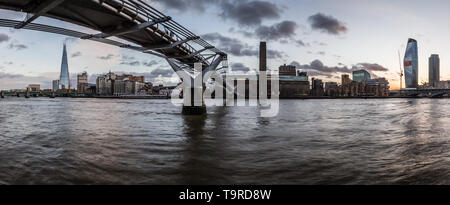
point(64, 80)
point(361, 75)
point(411, 63)
point(434, 70)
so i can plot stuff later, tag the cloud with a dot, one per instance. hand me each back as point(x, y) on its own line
point(129, 60)
point(186, 5)
point(4, 75)
point(317, 65)
point(4, 38)
point(76, 54)
point(107, 57)
point(17, 46)
point(244, 12)
point(236, 47)
point(239, 67)
point(284, 29)
point(130, 63)
point(150, 63)
point(161, 73)
point(317, 68)
point(249, 13)
point(301, 43)
point(20, 81)
point(327, 24)
point(372, 67)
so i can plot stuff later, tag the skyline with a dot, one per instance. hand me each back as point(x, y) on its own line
point(323, 38)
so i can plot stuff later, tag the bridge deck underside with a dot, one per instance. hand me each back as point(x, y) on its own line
point(106, 18)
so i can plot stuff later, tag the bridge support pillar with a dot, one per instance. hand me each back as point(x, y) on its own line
point(193, 102)
point(194, 110)
point(193, 99)
point(2, 94)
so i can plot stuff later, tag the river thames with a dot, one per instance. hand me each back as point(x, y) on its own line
point(107, 141)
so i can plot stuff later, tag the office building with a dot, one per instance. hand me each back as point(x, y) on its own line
point(332, 89)
point(434, 70)
point(34, 87)
point(112, 84)
point(287, 70)
point(411, 64)
point(82, 82)
point(317, 87)
point(361, 76)
point(55, 85)
point(346, 79)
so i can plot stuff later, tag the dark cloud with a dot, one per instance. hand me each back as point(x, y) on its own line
point(130, 63)
point(301, 43)
point(285, 29)
point(150, 63)
point(239, 67)
point(129, 60)
point(327, 24)
point(317, 68)
point(236, 47)
point(159, 72)
point(17, 46)
point(107, 57)
point(187, 5)
point(373, 67)
point(249, 13)
point(274, 54)
point(244, 12)
point(4, 38)
point(76, 54)
point(317, 65)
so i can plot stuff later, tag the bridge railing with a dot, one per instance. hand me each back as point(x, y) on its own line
point(173, 31)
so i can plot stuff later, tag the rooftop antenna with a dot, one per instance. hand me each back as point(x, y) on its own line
point(401, 70)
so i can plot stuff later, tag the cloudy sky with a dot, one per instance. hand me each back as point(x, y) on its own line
point(324, 37)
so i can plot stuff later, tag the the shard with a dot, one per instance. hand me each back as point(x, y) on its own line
point(411, 63)
point(64, 80)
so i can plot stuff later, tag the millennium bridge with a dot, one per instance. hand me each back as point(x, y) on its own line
point(139, 25)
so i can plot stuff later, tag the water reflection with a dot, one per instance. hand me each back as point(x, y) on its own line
point(92, 141)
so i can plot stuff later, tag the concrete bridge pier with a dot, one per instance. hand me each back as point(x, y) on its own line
point(193, 101)
point(193, 105)
point(2, 94)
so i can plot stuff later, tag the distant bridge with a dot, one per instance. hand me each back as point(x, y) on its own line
point(433, 93)
point(141, 26)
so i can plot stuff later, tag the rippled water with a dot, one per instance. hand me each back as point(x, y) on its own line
point(104, 141)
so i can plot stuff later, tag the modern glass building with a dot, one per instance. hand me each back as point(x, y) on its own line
point(411, 63)
point(361, 75)
point(64, 80)
point(434, 70)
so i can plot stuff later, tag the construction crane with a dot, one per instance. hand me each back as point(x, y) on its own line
point(401, 70)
